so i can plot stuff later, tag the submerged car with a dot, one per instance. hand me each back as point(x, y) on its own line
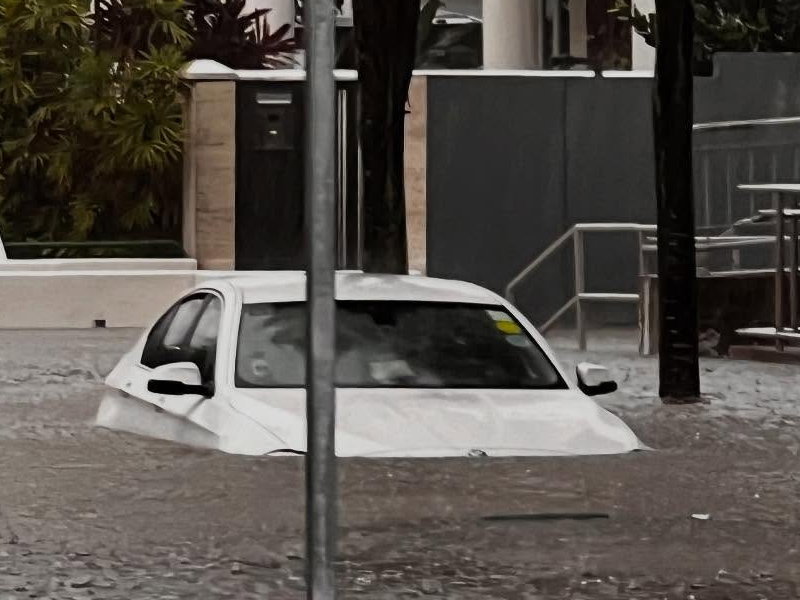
point(424, 368)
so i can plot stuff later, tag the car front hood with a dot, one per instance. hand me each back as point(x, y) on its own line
point(438, 423)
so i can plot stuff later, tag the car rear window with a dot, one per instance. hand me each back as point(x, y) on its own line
point(384, 344)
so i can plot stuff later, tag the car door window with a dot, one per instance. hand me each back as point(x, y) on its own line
point(183, 321)
point(203, 341)
point(167, 340)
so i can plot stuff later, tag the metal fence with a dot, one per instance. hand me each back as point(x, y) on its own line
point(730, 153)
point(726, 154)
point(785, 213)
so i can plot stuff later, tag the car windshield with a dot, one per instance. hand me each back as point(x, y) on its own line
point(396, 344)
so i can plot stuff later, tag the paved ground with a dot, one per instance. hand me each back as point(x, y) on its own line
point(87, 513)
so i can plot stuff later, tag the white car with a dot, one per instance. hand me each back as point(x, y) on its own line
point(425, 368)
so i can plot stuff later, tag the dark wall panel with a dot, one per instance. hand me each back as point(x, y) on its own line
point(514, 162)
point(749, 86)
point(609, 176)
point(495, 174)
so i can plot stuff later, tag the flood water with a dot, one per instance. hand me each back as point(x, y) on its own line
point(88, 513)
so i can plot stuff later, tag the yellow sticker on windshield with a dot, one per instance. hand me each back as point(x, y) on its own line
point(508, 327)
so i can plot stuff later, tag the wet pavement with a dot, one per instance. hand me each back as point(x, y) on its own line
point(88, 513)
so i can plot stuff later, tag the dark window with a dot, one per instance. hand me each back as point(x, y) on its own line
point(396, 344)
point(186, 333)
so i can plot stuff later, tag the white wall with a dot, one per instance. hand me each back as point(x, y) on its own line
point(74, 293)
point(644, 57)
point(75, 299)
point(282, 11)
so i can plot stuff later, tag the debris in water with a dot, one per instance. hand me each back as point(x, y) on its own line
point(83, 581)
point(548, 517)
point(431, 587)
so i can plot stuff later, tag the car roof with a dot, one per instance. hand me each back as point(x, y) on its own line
point(290, 286)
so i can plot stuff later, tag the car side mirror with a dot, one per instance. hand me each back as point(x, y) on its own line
point(595, 380)
point(179, 379)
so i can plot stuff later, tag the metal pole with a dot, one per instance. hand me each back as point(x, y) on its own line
point(541, 28)
point(793, 274)
point(640, 241)
point(707, 189)
point(320, 177)
point(580, 286)
point(777, 200)
point(558, 45)
point(751, 173)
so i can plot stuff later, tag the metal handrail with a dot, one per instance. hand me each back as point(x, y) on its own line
point(556, 245)
point(575, 233)
point(718, 125)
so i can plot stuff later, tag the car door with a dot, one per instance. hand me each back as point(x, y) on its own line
point(199, 346)
point(169, 342)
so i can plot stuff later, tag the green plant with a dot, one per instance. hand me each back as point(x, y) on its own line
point(729, 25)
point(131, 27)
point(223, 32)
point(91, 125)
point(434, 43)
point(91, 133)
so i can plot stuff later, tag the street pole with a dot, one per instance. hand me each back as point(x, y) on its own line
point(673, 105)
point(320, 160)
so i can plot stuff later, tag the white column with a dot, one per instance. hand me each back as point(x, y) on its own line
point(643, 56)
point(578, 33)
point(511, 34)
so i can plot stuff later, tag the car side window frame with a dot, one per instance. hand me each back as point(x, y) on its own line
point(208, 371)
point(161, 327)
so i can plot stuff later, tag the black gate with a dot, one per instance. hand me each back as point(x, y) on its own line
point(269, 177)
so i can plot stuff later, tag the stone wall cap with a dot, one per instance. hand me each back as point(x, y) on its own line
point(210, 70)
point(203, 69)
point(290, 74)
point(578, 73)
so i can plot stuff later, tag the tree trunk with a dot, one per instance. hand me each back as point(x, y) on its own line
point(386, 37)
point(672, 118)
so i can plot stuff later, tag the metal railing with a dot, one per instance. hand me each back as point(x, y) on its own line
point(728, 153)
point(712, 143)
point(785, 210)
point(646, 244)
point(576, 235)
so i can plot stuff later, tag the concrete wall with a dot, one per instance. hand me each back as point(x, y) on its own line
point(99, 264)
point(75, 293)
point(416, 168)
point(209, 190)
point(75, 299)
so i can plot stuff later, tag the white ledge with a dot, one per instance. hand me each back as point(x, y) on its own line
point(586, 74)
point(628, 74)
point(209, 70)
point(770, 187)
